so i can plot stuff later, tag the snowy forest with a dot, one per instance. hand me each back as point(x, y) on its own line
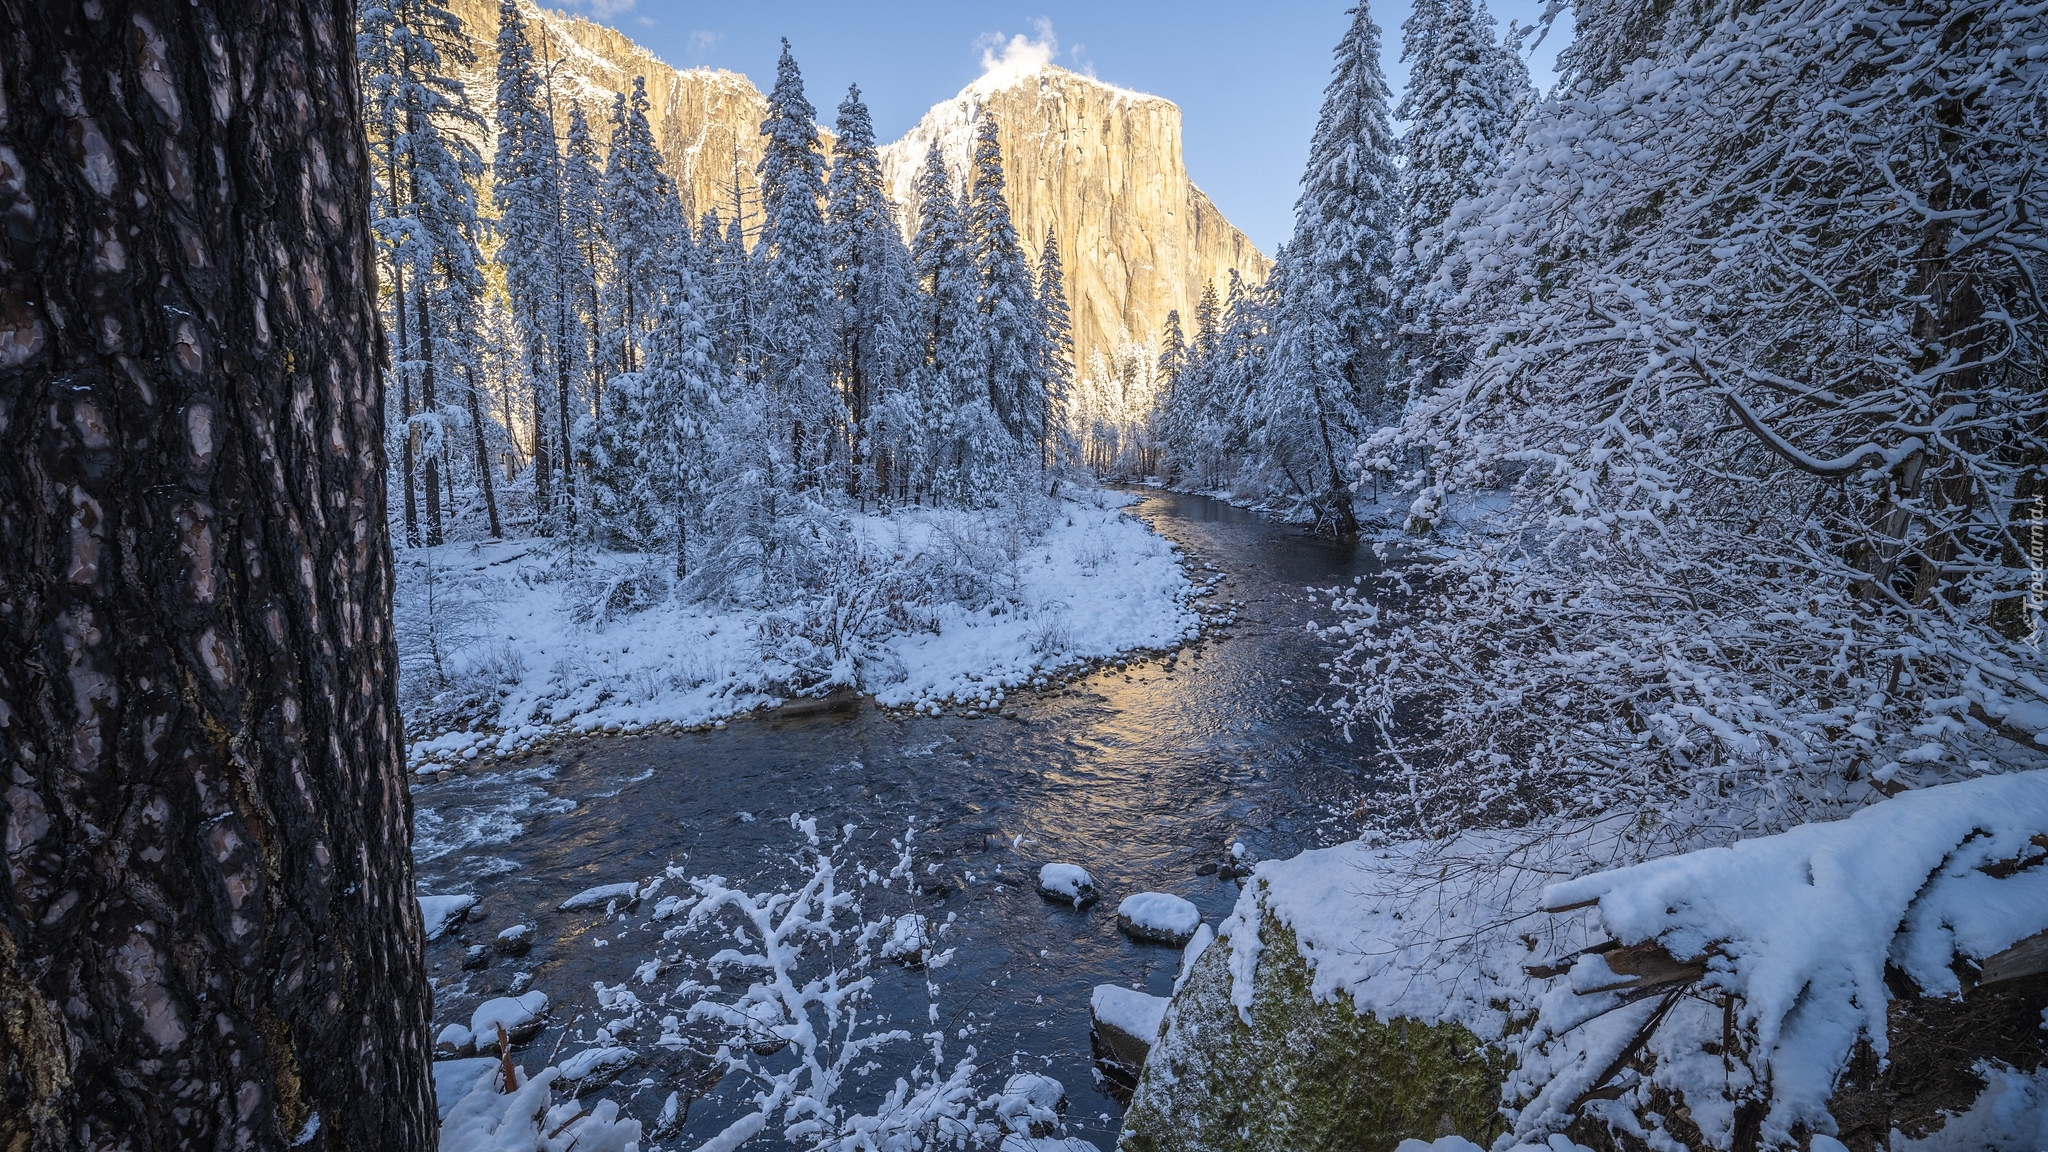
point(493, 660)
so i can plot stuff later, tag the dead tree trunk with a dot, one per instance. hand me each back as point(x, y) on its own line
point(208, 937)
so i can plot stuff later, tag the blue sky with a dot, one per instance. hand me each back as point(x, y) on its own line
point(1248, 78)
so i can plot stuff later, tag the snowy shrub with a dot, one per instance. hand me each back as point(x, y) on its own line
point(607, 595)
point(808, 954)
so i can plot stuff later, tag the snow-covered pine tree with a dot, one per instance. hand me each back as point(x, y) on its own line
point(950, 329)
point(1327, 377)
point(638, 211)
point(653, 456)
point(418, 119)
point(795, 255)
point(873, 328)
point(526, 183)
point(1461, 109)
point(1056, 349)
point(583, 219)
point(1010, 330)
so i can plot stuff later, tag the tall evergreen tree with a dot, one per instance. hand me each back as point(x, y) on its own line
point(950, 326)
point(583, 220)
point(872, 328)
point(1056, 347)
point(795, 324)
point(526, 183)
point(418, 120)
point(1333, 314)
point(1010, 332)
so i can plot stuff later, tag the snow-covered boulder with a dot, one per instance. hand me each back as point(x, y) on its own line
point(438, 912)
point(1069, 883)
point(1158, 918)
point(454, 1040)
point(519, 1015)
point(515, 941)
point(909, 941)
point(1126, 1022)
point(625, 894)
point(593, 1068)
point(1031, 1104)
point(1322, 1014)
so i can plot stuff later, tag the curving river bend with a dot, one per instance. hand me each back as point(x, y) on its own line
point(1142, 776)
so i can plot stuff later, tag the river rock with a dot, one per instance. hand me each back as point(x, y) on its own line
point(454, 1040)
point(1069, 883)
point(439, 913)
point(515, 941)
point(1031, 1104)
point(520, 1016)
point(478, 956)
point(595, 1068)
point(1126, 1022)
point(909, 942)
point(1158, 918)
point(611, 895)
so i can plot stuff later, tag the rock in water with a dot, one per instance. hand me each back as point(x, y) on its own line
point(909, 941)
point(1158, 918)
point(521, 1017)
point(1126, 1023)
point(516, 940)
point(594, 1068)
point(1067, 882)
point(1031, 1104)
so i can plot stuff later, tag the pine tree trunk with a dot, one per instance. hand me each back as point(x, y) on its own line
point(562, 410)
point(208, 936)
point(541, 501)
point(396, 358)
point(483, 452)
point(428, 403)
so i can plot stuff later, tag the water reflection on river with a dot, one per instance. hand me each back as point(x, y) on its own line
point(1142, 776)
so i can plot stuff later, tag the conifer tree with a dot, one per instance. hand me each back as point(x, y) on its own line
point(425, 220)
point(795, 323)
point(583, 219)
point(1010, 333)
point(1333, 315)
point(1056, 345)
point(526, 185)
point(872, 332)
point(950, 327)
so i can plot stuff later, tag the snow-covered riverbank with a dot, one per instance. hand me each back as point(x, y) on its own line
point(504, 645)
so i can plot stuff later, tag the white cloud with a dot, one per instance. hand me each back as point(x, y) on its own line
point(703, 41)
point(1006, 60)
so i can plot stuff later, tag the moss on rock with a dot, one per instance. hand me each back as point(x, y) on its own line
point(1304, 1076)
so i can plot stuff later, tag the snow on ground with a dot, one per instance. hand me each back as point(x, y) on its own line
point(505, 644)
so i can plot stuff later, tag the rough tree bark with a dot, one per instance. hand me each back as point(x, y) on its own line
point(208, 937)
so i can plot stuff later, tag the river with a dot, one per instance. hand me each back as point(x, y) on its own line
point(1142, 775)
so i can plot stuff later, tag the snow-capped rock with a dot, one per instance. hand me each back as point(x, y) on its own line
point(1158, 918)
point(1067, 882)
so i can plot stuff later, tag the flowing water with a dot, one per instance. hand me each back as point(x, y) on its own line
point(1141, 775)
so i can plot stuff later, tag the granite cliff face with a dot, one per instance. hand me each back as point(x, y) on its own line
point(1099, 165)
point(706, 121)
